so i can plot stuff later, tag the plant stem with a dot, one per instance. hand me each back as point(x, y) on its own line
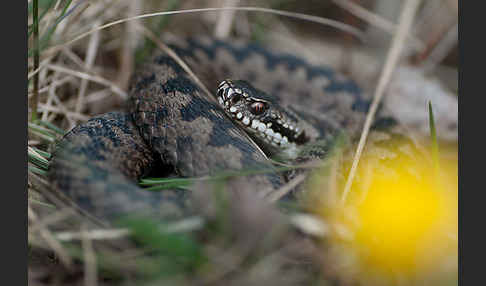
point(433, 135)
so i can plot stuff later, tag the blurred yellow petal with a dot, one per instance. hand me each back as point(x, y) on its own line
point(400, 219)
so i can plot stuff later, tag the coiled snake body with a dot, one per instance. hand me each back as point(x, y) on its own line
point(172, 128)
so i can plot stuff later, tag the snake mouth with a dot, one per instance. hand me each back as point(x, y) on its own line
point(259, 117)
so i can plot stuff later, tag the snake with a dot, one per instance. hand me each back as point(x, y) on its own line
point(262, 103)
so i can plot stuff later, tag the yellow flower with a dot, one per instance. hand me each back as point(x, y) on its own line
point(400, 219)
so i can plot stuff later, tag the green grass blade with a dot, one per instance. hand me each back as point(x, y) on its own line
point(41, 130)
point(433, 136)
point(46, 4)
point(40, 162)
point(44, 41)
point(175, 185)
point(172, 253)
point(44, 154)
point(46, 7)
point(37, 202)
point(51, 127)
point(36, 170)
point(158, 181)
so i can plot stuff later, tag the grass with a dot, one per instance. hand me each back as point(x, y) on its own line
point(156, 184)
point(433, 137)
point(239, 241)
point(44, 41)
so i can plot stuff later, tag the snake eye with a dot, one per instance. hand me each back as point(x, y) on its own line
point(258, 108)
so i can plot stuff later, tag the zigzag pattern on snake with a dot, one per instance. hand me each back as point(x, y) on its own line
point(170, 128)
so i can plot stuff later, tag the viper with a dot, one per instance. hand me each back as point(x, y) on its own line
point(263, 104)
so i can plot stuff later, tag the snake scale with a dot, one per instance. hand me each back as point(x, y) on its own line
point(171, 128)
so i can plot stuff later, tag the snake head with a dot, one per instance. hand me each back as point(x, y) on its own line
point(260, 115)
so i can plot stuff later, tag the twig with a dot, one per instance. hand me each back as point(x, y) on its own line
point(405, 22)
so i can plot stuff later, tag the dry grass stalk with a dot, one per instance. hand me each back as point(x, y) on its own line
point(63, 111)
point(91, 52)
point(50, 240)
point(38, 69)
point(94, 234)
point(130, 38)
point(377, 21)
point(442, 49)
point(347, 28)
point(51, 219)
point(223, 26)
point(405, 23)
point(90, 268)
point(285, 189)
point(94, 78)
